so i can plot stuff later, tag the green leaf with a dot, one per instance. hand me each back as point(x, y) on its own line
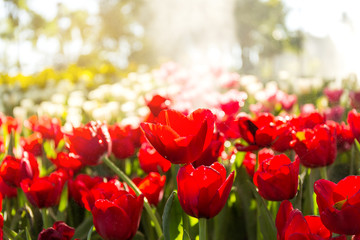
point(49, 150)
point(172, 221)
point(28, 236)
point(357, 145)
point(265, 220)
point(91, 230)
point(64, 199)
point(139, 236)
point(60, 145)
point(11, 144)
point(240, 156)
point(82, 230)
point(10, 234)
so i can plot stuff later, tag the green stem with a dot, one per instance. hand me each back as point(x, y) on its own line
point(323, 173)
point(202, 228)
point(352, 155)
point(308, 201)
point(131, 184)
point(88, 237)
point(10, 234)
point(45, 218)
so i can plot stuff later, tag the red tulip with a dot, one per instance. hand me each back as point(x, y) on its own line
point(49, 128)
point(277, 178)
point(249, 163)
point(152, 186)
point(355, 99)
point(284, 134)
point(119, 217)
point(157, 104)
point(308, 120)
point(122, 142)
point(82, 183)
point(211, 153)
point(344, 135)
point(102, 190)
point(250, 159)
point(333, 95)
point(68, 161)
point(2, 145)
point(90, 142)
point(151, 161)
point(354, 123)
point(1, 218)
point(6, 190)
point(45, 191)
point(59, 231)
point(316, 147)
point(203, 191)
point(1, 226)
point(32, 144)
point(14, 170)
point(11, 124)
point(339, 204)
point(334, 113)
point(178, 138)
point(292, 225)
point(258, 133)
point(228, 126)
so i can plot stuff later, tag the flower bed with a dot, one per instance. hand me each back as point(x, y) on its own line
point(177, 153)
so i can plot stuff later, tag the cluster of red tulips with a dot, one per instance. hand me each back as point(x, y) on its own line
point(216, 174)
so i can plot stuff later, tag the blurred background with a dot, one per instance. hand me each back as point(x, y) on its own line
point(269, 38)
point(100, 59)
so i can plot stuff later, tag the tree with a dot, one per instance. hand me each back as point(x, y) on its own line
point(262, 33)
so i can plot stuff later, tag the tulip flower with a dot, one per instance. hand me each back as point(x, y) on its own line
point(49, 128)
point(316, 147)
point(151, 161)
point(228, 126)
point(32, 144)
point(90, 142)
point(14, 170)
point(284, 132)
point(250, 159)
point(82, 183)
point(178, 138)
point(211, 153)
point(355, 99)
point(119, 216)
point(59, 231)
point(333, 95)
point(11, 124)
point(157, 104)
point(44, 191)
point(203, 191)
point(122, 142)
point(102, 190)
point(344, 135)
point(339, 204)
point(277, 178)
point(354, 123)
point(1, 218)
point(68, 161)
point(6, 190)
point(249, 163)
point(308, 120)
point(292, 225)
point(258, 133)
point(152, 186)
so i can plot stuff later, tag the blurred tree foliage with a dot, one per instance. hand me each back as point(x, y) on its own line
point(112, 35)
point(262, 33)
